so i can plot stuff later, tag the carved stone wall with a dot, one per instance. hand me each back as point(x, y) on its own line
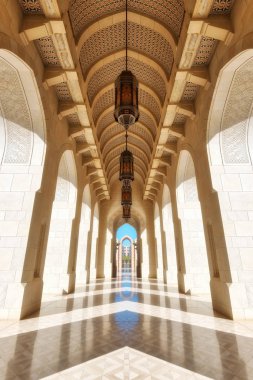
point(222, 6)
point(15, 112)
point(47, 51)
point(205, 52)
point(236, 117)
point(31, 6)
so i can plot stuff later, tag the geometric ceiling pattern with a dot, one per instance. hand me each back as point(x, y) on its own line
point(146, 75)
point(170, 48)
point(84, 13)
point(151, 47)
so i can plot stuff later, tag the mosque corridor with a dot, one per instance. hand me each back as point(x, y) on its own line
point(126, 329)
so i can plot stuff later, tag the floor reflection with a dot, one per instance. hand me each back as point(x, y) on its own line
point(74, 329)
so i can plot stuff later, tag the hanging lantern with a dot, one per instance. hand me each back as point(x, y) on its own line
point(126, 113)
point(126, 94)
point(126, 211)
point(126, 99)
point(126, 193)
point(126, 170)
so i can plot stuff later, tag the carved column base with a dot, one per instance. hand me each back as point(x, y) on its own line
point(22, 299)
point(230, 299)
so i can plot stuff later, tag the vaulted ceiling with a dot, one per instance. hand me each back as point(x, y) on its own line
point(170, 45)
point(99, 29)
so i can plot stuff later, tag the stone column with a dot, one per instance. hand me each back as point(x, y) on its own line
point(28, 293)
point(89, 238)
point(120, 259)
point(164, 248)
point(178, 243)
point(228, 296)
point(139, 257)
point(132, 258)
point(151, 246)
point(71, 276)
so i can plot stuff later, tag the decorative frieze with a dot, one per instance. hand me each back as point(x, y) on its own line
point(205, 51)
point(222, 7)
point(16, 117)
point(47, 51)
point(31, 7)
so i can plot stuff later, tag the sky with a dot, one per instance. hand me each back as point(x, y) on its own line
point(126, 229)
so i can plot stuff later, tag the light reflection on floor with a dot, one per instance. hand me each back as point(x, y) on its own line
point(125, 326)
point(127, 364)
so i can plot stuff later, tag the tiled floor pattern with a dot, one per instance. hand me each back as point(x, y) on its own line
point(126, 330)
point(126, 363)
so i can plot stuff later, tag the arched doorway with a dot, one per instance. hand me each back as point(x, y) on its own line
point(127, 253)
point(126, 250)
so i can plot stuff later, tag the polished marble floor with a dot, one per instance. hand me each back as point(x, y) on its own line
point(126, 329)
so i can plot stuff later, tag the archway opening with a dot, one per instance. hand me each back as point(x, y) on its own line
point(126, 250)
point(126, 229)
point(126, 254)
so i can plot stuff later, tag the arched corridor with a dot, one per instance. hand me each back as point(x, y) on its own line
point(126, 189)
point(127, 260)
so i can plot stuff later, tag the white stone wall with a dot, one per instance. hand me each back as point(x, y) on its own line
point(159, 247)
point(94, 243)
point(168, 229)
point(85, 222)
point(108, 255)
point(145, 255)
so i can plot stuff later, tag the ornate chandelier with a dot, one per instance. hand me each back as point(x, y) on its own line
point(126, 113)
point(126, 170)
point(126, 175)
point(126, 110)
point(126, 211)
point(126, 193)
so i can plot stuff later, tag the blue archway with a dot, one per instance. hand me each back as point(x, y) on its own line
point(126, 229)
